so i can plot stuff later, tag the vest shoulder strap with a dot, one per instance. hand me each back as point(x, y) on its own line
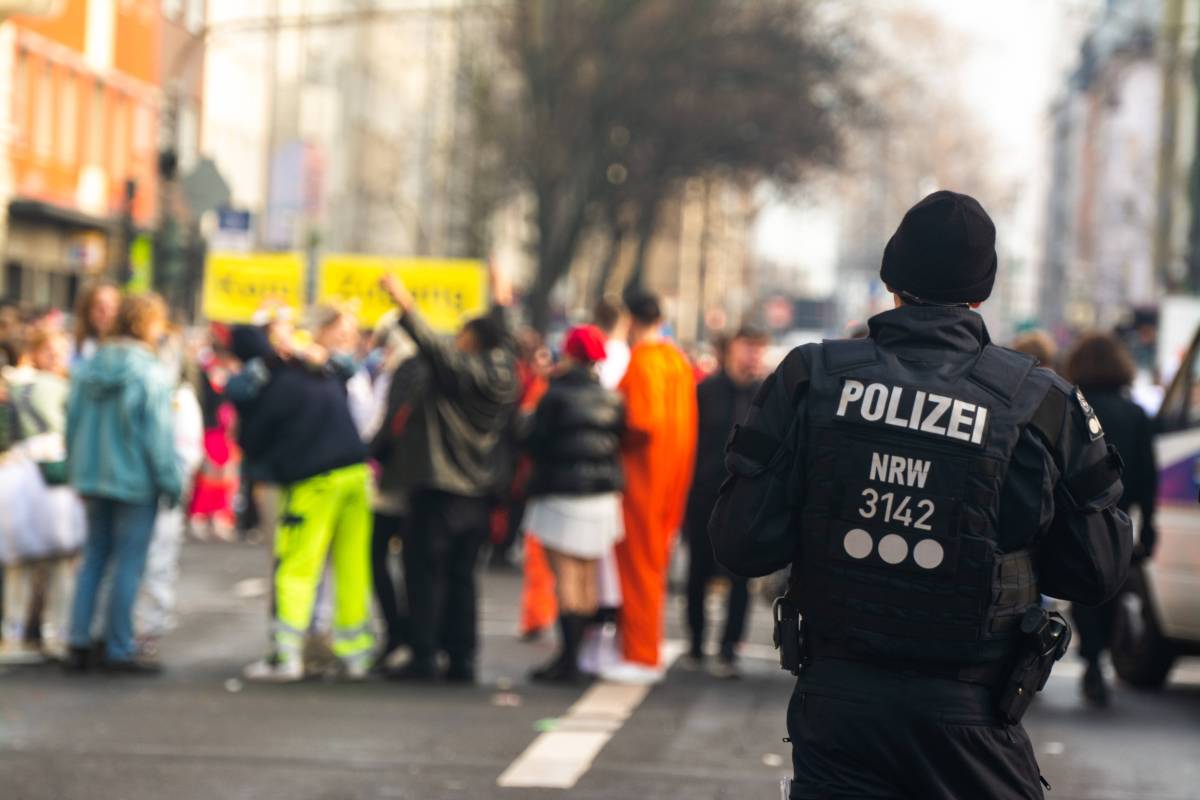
point(1002, 371)
point(842, 355)
point(1048, 419)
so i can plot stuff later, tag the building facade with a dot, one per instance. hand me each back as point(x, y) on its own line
point(81, 108)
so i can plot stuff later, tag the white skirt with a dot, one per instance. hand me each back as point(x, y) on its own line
point(583, 526)
point(36, 521)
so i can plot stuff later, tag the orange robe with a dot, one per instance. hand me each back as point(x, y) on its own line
point(539, 604)
point(658, 457)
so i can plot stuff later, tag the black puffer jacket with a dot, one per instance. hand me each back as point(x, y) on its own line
point(575, 436)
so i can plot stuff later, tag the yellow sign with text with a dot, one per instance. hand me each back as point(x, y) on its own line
point(239, 285)
point(447, 292)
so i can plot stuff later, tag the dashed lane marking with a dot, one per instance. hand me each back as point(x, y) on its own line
point(557, 759)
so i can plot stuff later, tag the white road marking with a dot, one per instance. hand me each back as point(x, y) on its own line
point(557, 759)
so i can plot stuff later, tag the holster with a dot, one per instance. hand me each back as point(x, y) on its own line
point(789, 634)
point(1044, 640)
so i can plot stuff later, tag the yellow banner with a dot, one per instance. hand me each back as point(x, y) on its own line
point(447, 292)
point(238, 285)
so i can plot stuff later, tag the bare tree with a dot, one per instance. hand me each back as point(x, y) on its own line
point(619, 101)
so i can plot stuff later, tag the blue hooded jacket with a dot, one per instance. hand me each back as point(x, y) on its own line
point(119, 439)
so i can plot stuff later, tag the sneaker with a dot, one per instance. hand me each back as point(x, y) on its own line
point(414, 672)
point(19, 653)
point(272, 670)
point(460, 672)
point(78, 659)
point(692, 662)
point(532, 636)
point(725, 669)
point(634, 674)
point(133, 666)
point(354, 669)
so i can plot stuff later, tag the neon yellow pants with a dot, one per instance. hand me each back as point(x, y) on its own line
point(328, 512)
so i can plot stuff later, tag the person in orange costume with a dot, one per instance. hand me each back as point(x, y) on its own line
point(658, 456)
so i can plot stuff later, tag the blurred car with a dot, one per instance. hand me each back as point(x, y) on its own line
point(1158, 616)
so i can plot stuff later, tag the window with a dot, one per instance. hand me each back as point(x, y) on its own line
point(43, 123)
point(68, 119)
point(120, 139)
point(21, 97)
point(13, 283)
point(141, 130)
point(188, 137)
point(195, 16)
point(95, 127)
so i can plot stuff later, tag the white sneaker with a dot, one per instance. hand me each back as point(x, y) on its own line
point(355, 670)
point(267, 670)
point(20, 653)
point(633, 674)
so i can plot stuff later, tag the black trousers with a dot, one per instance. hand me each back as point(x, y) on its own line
point(395, 612)
point(702, 567)
point(1094, 626)
point(441, 554)
point(862, 732)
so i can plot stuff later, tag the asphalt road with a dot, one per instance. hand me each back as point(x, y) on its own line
point(197, 732)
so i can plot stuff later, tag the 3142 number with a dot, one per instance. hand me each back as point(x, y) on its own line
point(897, 510)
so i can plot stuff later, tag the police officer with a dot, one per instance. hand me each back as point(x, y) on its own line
point(925, 485)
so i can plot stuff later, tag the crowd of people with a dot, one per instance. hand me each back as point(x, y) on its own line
point(343, 450)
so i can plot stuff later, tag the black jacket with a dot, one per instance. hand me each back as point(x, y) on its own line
point(1127, 428)
point(299, 425)
point(575, 437)
point(720, 404)
point(1083, 543)
point(463, 406)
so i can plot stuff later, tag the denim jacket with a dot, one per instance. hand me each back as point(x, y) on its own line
point(120, 443)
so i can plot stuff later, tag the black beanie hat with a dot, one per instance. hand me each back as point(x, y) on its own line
point(943, 252)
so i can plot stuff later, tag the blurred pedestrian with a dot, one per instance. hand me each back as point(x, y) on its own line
point(400, 380)
point(122, 461)
point(450, 440)
point(297, 427)
point(155, 608)
point(613, 321)
point(1039, 345)
point(658, 458)
point(95, 317)
point(45, 518)
point(210, 508)
point(722, 400)
point(1102, 368)
point(575, 504)
point(601, 649)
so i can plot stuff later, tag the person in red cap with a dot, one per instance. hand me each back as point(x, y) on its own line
point(574, 509)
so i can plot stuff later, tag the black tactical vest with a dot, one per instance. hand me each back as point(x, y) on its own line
point(898, 558)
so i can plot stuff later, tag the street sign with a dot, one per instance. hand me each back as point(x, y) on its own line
point(141, 264)
point(204, 187)
point(448, 292)
point(234, 231)
point(238, 285)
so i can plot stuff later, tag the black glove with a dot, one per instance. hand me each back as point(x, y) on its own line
point(1147, 540)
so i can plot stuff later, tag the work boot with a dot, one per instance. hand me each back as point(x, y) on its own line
point(1093, 686)
point(415, 671)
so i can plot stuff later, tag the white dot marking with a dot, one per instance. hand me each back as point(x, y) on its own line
point(929, 554)
point(893, 549)
point(858, 543)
